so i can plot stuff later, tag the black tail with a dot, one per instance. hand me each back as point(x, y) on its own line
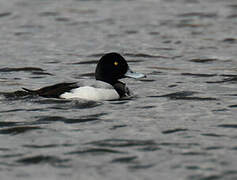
point(53, 91)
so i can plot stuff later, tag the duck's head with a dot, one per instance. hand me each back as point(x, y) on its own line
point(112, 67)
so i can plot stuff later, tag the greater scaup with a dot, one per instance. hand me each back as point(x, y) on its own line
point(110, 68)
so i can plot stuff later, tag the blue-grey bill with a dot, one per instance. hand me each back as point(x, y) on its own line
point(135, 75)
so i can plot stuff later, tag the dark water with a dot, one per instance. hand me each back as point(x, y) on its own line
point(181, 125)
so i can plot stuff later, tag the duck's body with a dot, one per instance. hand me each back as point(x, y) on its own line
point(99, 92)
point(110, 68)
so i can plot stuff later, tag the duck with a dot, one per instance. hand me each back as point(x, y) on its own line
point(107, 86)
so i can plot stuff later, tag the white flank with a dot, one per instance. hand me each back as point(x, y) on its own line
point(91, 93)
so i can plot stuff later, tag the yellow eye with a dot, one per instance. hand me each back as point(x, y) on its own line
point(115, 63)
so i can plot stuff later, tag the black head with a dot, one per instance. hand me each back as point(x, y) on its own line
point(110, 68)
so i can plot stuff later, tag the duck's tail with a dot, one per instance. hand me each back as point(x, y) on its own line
point(53, 91)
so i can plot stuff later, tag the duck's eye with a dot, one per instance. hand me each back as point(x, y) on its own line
point(115, 63)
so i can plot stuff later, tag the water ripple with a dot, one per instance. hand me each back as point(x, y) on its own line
point(118, 126)
point(11, 155)
point(18, 129)
point(95, 151)
point(42, 159)
point(213, 135)
point(25, 69)
point(229, 40)
point(122, 143)
point(141, 166)
point(33, 146)
point(171, 131)
point(125, 160)
point(198, 75)
point(230, 80)
point(211, 148)
point(233, 105)
point(198, 14)
point(4, 14)
point(228, 126)
point(185, 95)
point(206, 60)
point(178, 145)
point(7, 123)
point(205, 177)
point(48, 119)
point(48, 13)
point(194, 153)
point(143, 55)
point(86, 62)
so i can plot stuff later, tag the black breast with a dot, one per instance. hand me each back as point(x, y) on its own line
point(122, 89)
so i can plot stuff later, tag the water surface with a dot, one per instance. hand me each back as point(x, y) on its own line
point(180, 125)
